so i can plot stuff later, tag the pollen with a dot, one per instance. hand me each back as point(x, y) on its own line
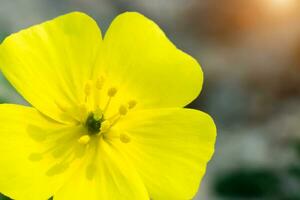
point(84, 139)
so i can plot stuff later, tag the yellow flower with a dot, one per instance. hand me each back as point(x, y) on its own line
point(107, 120)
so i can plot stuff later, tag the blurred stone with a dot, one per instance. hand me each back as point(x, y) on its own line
point(223, 20)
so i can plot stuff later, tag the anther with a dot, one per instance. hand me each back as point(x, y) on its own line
point(88, 88)
point(112, 92)
point(82, 108)
point(124, 138)
point(98, 114)
point(84, 139)
point(99, 82)
point(122, 110)
point(105, 126)
point(132, 104)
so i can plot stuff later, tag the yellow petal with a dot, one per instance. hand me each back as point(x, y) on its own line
point(50, 63)
point(33, 164)
point(170, 149)
point(106, 176)
point(145, 66)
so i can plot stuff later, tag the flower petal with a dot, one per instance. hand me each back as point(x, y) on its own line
point(50, 63)
point(170, 149)
point(108, 175)
point(32, 164)
point(140, 60)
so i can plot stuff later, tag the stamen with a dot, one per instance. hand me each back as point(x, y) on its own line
point(99, 82)
point(88, 88)
point(98, 114)
point(105, 126)
point(82, 108)
point(115, 118)
point(80, 113)
point(122, 110)
point(132, 104)
point(124, 138)
point(84, 139)
point(112, 92)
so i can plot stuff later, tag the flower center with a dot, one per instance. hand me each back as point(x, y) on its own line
point(93, 123)
point(96, 125)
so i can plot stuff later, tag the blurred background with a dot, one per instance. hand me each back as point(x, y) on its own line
point(250, 53)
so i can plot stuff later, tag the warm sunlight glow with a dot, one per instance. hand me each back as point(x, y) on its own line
point(282, 8)
point(283, 4)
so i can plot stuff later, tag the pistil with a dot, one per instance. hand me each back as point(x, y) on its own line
point(93, 123)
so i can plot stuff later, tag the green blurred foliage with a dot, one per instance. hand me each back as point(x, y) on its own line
point(2, 197)
point(262, 183)
point(250, 183)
